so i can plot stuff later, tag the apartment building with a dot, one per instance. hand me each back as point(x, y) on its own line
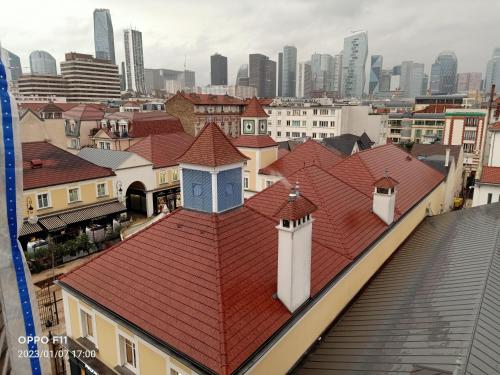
point(90, 79)
point(43, 86)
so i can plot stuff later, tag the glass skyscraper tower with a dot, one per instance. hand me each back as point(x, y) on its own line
point(353, 68)
point(103, 35)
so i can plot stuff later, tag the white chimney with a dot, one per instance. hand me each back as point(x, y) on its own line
point(294, 250)
point(447, 158)
point(384, 199)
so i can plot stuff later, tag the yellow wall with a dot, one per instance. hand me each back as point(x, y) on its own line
point(59, 196)
point(267, 157)
point(296, 341)
point(74, 315)
point(250, 168)
point(170, 177)
point(151, 362)
point(106, 341)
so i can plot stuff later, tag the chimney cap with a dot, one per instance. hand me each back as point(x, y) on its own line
point(295, 207)
point(385, 182)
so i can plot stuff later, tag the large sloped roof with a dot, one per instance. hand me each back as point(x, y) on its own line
point(308, 153)
point(490, 175)
point(254, 109)
point(212, 148)
point(433, 306)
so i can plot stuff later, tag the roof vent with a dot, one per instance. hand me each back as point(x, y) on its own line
point(408, 157)
point(36, 163)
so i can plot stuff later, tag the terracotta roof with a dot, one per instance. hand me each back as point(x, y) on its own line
point(149, 126)
point(204, 283)
point(58, 166)
point(490, 175)
point(163, 149)
point(212, 148)
point(385, 182)
point(209, 99)
point(295, 207)
point(282, 152)
point(424, 150)
point(84, 112)
point(307, 153)
point(254, 109)
point(364, 168)
point(495, 126)
point(254, 141)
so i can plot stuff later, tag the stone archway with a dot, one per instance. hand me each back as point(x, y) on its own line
point(136, 198)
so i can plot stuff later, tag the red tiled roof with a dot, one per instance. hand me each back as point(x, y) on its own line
point(282, 152)
point(209, 99)
point(385, 183)
point(85, 112)
point(204, 283)
point(490, 175)
point(163, 149)
point(254, 141)
point(295, 207)
point(307, 153)
point(142, 127)
point(254, 109)
point(212, 148)
point(414, 177)
point(495, 126)
point(58, 166)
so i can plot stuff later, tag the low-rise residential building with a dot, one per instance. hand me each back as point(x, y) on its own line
point(465, 127)
point(228, 286)
point(120, 130)
point(63, 193)
point(79, 123)
point(196, 110)
point(348, 144)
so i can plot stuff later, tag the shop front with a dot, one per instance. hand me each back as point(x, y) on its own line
point(169, 197)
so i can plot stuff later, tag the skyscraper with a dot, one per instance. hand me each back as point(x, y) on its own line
point(134, 61)
point(493, 71)
point(469, 82)
point(242, 76)
point(218, 69)
point(444, 73)
point(375, 71)
point(412, 79)
point(13, 62)
point(337, 73)
point(354, 60)
point(262, 75)
point(123, 83)
point(280, 74)
point(323, 72)
point(385, 80)
point(42, 63)
point(289, 71)
point(103, 35)
point(304, 80)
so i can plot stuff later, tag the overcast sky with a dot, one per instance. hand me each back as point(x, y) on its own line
point(172, 29)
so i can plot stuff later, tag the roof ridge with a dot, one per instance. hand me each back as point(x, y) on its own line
point(223, 365)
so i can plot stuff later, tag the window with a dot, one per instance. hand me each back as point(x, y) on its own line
point(315, 112)
point(175, 175)
point(269, 133)
point(295, 123)
point(287, 122)
point(304, 113)
point(469, 147)
point(245, 182)
point(269, 111)
point(287, 134)
point(490, 197)
point(288, 113)
point(323, 135)
point(42, 200)
point(304, 123)
point(323, 112)
point(163, 177)
point(175, 372)
point(304, 135)
point(279, 113)
point(315, 123)
point(268, 183)
point(314, 135)
point(295, 134)
point(105, 145)
point(87, 325)
point(128, 355)
point(323, 124)
point(278, 134)
point(73, 194)
point(296, 112)
point(332, 124)
point(75, 143)
point(279, 122)
point(101, 189)
point(418, 132)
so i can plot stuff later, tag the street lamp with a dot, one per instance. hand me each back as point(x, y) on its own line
point(32, 219)
point(119, 190)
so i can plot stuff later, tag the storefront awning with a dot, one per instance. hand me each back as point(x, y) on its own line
point(93, 212)
point(52, 223)
point(28, 229)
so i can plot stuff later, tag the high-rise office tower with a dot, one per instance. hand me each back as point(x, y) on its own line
point(123, 83)
point(304, 80)
point(13, 62)
point(42, 63)
point(104, 40)
point(375, 72)
point(444, 73)
point(412, 79)
point(385, 80)
point(469, 82)
point(337, 73)
point(289, 71)
point(493, 71)
point(218, 69)
point(134, 61)
point(242, 76)
point(262, 75)
point(280, 74)
point(323, 72)
point(354, 60)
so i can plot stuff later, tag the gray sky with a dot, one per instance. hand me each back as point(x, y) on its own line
point(398, 30)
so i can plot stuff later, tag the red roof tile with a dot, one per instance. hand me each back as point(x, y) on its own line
point(254, 141)
point(84, 112)
point(212, 148)
point(58, 166)
point(254, 109)
point(282, 152)
point(490, 175)
point(495, 126)
point(209, 99)
point(385, 183)
point(295, 207)
point(307, 153)
point(143, 128)
point(163, 149)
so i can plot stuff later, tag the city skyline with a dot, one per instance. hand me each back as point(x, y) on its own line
point(70, 28)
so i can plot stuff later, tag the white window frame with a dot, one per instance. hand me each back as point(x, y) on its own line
point(49, 202)
point(246, 182)
point(162, 178)
point(175, 175)
point(106, 193)
point(83, 325)
point(104, 145)
point(122, 351)
point(171, 367)
point(79, 194)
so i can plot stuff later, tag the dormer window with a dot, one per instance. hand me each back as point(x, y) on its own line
point(262, 126)
point(248, 126)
